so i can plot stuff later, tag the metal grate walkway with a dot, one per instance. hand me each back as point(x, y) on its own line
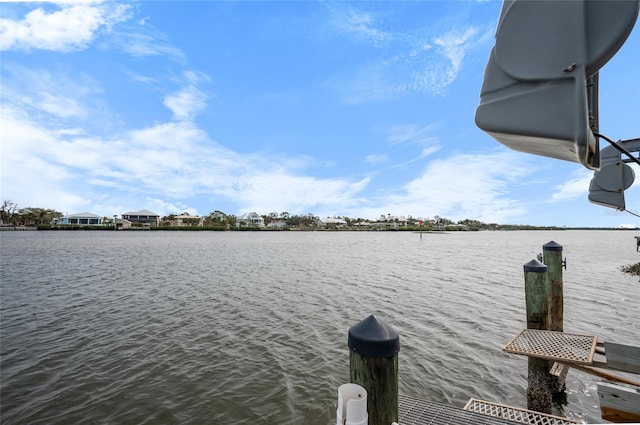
point(553, 345)
point(514, 413)
point(413, 411)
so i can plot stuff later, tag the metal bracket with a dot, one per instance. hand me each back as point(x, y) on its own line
point(564, 261)
point(625, 147)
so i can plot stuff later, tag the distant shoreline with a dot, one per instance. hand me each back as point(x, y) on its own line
point(502, 228)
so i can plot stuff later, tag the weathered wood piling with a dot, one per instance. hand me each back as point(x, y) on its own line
point(373, 364)
point(552, 258)
point(539, 395)
point(544, 300)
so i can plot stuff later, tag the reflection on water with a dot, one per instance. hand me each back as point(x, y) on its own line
point(251, 327)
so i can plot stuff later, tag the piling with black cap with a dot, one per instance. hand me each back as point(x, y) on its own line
point(536, 295)
point(373, 361)
point(552, 258)
point(539, 394)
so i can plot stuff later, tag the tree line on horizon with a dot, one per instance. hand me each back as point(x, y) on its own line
point(11, 214)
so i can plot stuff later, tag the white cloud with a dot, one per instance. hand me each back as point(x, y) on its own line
point(576, 187)
point(412, 133)
point(73, 26)
point(428, 151)
point(167, 163)
point(422, 155)
point(141, 41)
point(139, 78)
point(189, 100)
point(186, 102)
point(376, 159)
point(26, 176)
point(454, 45)
point(44, 92)
point(426, 65)
point(360, 24)
point(162, 207)
point(268, 190)
point(459, 187)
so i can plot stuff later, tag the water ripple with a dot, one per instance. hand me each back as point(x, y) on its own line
point(246, 328)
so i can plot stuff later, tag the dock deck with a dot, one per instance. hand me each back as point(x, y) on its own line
point(413, 411)
point(559, 346)
point(588, 354)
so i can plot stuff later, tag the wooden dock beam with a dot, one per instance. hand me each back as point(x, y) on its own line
point(618, 403)
point(373, 364)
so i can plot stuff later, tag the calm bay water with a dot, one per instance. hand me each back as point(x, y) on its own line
point(251, 327)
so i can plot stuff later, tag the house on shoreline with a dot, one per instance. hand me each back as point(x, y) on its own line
point(128, 220)
point(82, 219)
point(186, 220)
point(278, 225)
point(145, 217)
point(332, 223)
point(251, 219)
point(122, 224)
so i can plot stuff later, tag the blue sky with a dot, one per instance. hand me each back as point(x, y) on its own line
point(340, 108)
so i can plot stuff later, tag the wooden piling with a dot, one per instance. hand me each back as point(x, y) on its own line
point(373, 362)
point(539, 394)
point(552, 258)
point(536, 295)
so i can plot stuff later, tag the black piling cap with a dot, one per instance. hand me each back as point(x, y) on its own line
point(552, 246)
point(535, 266)
point(374, 338)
